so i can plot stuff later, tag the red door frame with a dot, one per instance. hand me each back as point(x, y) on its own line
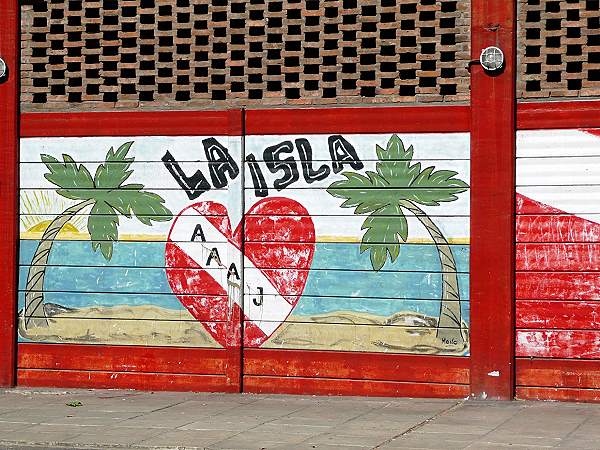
point(9, 116)
point(493, 142)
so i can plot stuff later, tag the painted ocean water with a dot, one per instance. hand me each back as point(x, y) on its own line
point(136, 276)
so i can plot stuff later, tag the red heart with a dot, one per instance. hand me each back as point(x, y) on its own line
point(279, 247)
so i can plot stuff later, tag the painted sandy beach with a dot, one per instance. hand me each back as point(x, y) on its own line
point(405, 332)
point(121, 325)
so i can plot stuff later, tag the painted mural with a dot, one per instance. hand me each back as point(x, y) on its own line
point(353, 242)
point(558, 244)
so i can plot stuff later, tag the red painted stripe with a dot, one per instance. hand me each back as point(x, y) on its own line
point(492, 203)
point(526, 205)
point(557, 285)
point(558, 344)
point(397, 119)
point(563, 315)
point(559, 373)
point(555, 115)
point(122, 380)
point(556, 228)
point(326, 386)
point(132, 123)
point(566, 395)
point(558, 256)
point(594, 131)
point(352, 365)
point(118, 358)
point(9, 187)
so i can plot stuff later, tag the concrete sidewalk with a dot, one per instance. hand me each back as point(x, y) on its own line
point(130, 419)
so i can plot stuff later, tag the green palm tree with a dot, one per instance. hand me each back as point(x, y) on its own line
point(398, 186)
point(105, 196)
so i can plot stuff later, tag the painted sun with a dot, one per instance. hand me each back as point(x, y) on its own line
point(39, 207)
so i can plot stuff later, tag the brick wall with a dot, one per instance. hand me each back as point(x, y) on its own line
point(129, 54)
point(559, 49)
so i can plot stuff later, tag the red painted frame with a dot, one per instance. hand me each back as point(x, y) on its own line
point(266, 368)
point(9, 143)
point(557, 115)
point(493, 144)
point(555, 378)
point(137, 123)
point(132, 367)
point(382, 119)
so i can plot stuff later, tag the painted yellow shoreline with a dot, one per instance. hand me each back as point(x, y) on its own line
point(71, 236)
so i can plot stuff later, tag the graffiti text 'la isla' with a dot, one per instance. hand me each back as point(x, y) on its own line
point(278, 159)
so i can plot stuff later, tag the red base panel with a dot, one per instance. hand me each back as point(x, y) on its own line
point(558, 379)
point(352, 365)
point(122, 380)
point(565, 395)
point(336, 386)
point(120, 358)
point(348, 373)
point(265, 371)
point(123, 367)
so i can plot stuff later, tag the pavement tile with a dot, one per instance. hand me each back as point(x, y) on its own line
point(224, 423)
point(162, 419)
point(81, 420)
point(579, 444)
point(113, 436)
point(41, 434)
point(188, 439)
point(302, 446)
point(458, 436)
point(355, 429)
point(251, 439)
point(276, 427)
point(590, 429)
point(425, 442)
point(441, 428)
point(335, 438)
point(319, 447)
point(496, 446)
point(516, 439)
point(536, 427)
point(315, 420)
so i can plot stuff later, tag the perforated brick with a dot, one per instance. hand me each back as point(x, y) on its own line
point(214, 54)
point(559, 49)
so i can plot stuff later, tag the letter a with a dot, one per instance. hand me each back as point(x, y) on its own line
point(198, 233)
point(233, 271)
point(214, 254)
point(220, 163)
point(342, 152)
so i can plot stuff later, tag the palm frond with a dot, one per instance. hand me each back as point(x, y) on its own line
point(103, 228)
point(130, 200)
point(115, 170)
point(386, 229)
point(74, 180)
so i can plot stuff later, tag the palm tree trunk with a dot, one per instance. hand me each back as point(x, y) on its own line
point(34, 314)
point(450, 321)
